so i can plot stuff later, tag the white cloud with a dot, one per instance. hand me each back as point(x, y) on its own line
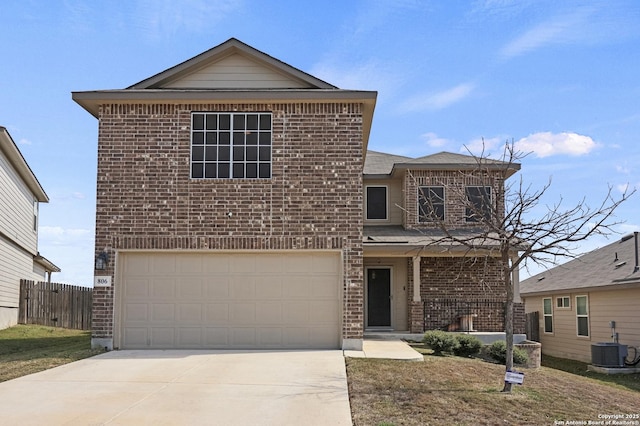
point(439, 100)
point(24, 141)
point(545, 144)
point(434, 141)
point(483, 146)
point(62, 236)
point(370, 75)
point(165, 18)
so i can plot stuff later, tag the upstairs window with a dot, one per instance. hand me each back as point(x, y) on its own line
point(430, 203)
point(230, 145)
point(478, 203)
point(376, 202)
point(547, 312)
point(563, 302)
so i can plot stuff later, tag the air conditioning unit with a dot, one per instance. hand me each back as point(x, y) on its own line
point(608, 354)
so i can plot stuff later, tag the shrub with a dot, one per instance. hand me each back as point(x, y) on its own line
point(467, 345)
point(498, 351)
point(440, 341)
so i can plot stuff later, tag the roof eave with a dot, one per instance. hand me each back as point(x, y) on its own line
point(46, 263)
point(511, 170)
point(13, 154)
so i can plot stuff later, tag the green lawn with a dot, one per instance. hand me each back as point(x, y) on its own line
point(26, 349)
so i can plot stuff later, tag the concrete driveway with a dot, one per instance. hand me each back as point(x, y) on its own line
point(184, 388)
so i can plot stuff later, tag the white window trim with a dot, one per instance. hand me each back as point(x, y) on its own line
point(568, 298)
point(444, 202)
point(588, 335)
point(544, 328)
point(386, 203)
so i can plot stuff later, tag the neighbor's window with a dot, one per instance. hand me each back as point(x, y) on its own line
point(376, 202)
point(230, 145)
point(563, 302)
point(478, 203)
point(582, 315)
point(430, 203)
point(547, 311)
point(35, 215)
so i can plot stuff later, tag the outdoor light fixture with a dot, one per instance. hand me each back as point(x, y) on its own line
point(101, 261)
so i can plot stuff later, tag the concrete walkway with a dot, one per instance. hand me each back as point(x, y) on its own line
point(386, 349)
point(180, 387)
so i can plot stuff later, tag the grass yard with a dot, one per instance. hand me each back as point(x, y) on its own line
point(26, 349)
point(465, 391)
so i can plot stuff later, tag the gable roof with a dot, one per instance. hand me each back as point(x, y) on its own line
point(227, 60)
point(17, 161)
point(231, 72)
point(611, 266)
point(385, 165)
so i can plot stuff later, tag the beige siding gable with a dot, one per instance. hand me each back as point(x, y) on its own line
point(236, 71)
point(16, 208)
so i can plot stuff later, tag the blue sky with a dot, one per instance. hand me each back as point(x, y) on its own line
point(561, 79)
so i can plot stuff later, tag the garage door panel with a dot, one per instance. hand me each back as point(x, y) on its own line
point(296, 287)
point(217, 288)
point(162, 337)
point(136, 312)
point(243, 337)
point(217, 313)
point(163, 288)
point(162, 264)
point(190, 337)
point(295, 312)
point(319, 289)
point(190, 288)
point(242, 313)
point(269, 313)
point(229, 300)
point(136, 288)
point(322, 312)
point(190, 313)
point(243, 287)
point(269, 287)
point(270, 337)
point(136, 337)
point(216, 337)
point(163, 312)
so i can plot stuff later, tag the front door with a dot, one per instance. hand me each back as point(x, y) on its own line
point(378, 297)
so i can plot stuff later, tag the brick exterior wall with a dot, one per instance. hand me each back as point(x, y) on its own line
point(454, 196)
point(454, 286)
point(146, 199)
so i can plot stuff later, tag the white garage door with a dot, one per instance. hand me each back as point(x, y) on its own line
point(230, 300)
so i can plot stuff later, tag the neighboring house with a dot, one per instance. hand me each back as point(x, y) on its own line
point(230, 213)
point(20, 193)
point(577, 301)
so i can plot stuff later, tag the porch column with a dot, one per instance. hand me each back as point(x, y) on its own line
point(515, 280)
point(416, 318)
point(416, 279)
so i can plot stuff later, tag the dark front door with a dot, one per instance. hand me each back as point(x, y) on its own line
point(379, 297)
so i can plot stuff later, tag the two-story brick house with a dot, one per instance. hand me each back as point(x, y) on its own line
point(230, 209)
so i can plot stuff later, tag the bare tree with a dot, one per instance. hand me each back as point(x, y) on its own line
point(507, 223)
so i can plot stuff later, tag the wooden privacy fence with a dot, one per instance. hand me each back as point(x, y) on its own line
point(55, 305)
point(533, 327)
